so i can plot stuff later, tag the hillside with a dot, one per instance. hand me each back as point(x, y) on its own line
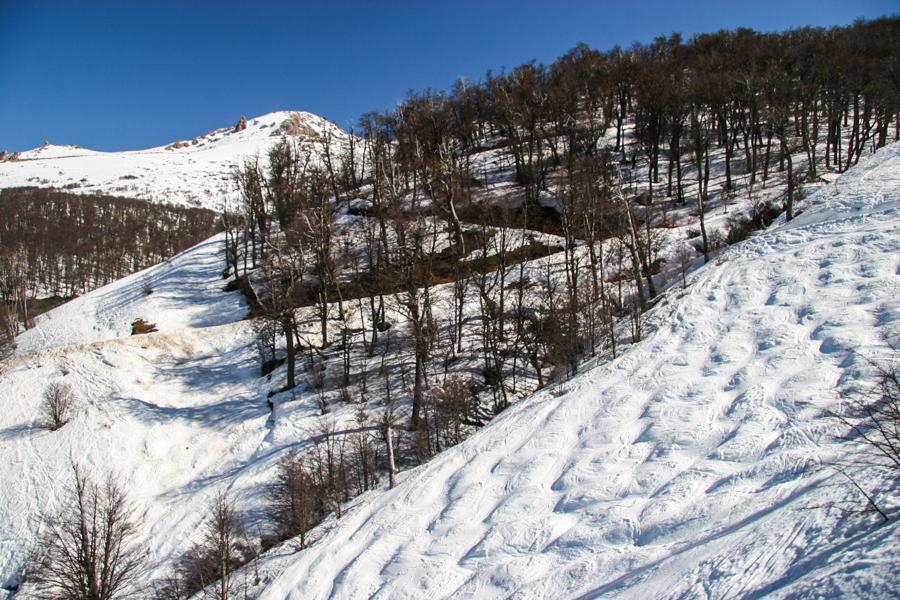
point(163, 411)
point(573, 330)
point(686, 462)
point(686, 467)
point(193, 172)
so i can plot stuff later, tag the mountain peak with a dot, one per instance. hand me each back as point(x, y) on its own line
point(192, 172)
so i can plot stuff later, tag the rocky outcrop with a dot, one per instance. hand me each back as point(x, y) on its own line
point(295, 126)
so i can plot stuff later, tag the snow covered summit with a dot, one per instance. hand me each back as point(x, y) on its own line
point(191, 172)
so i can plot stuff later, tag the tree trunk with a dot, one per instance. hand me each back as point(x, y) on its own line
point(288, 329)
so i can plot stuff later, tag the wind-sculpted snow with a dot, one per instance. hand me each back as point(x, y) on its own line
point(191, 173)
point(685, 468)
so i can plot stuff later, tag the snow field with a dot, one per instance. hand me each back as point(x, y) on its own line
point(683, 469)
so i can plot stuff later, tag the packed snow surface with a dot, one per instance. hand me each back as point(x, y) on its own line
point(184, 291)
point(687, 467)
point(194, 172)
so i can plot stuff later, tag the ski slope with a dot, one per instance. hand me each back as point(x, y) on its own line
point(166, 413)
point(686, 468)
point(184, 291)
point(187, 173)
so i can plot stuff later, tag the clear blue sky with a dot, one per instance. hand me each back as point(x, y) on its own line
point(126, 74)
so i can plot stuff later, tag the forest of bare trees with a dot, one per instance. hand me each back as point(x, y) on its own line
point(400, 229)
point(58, 244)
point(759, 108)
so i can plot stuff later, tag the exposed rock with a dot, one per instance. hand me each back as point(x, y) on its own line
point(4, 155)
point(140, 326)
point(241, 124)
point(295, 126)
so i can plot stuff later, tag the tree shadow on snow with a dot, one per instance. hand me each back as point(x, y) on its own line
point(16, 431)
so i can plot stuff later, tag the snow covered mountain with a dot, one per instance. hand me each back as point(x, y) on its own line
point(684, 469)
point(191, 173)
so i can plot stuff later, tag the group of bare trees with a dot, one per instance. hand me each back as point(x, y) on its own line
point(209, 564)
point(758, 102)
point(283, 225)
point(54, 243)
point(740, 106)
point(89, 549)
point(317, 482)
point(748, 103)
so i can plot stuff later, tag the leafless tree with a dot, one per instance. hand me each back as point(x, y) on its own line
point(88, 549)
point(295, 499)
point(57, 405)
point(869, 420)
point(453, 406)
point(364, 453)
point(7, 331)
point(684, 258)
point(208, 566)
point(388, 426)
point(328, 462)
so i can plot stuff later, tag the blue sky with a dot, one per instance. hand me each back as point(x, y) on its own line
point(126, 74)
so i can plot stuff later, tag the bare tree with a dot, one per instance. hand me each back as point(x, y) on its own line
point(294, 499)
point(57, 405)
point(870, 424)
point(388, 425)
point(453, 405)
point(88, 550)
point(209, 564)
point(7, 332)
point(684, 258)
point(328, 467)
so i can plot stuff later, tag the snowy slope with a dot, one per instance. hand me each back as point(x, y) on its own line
point(686, 468)
point(185, 291)
point(166, 413)
point(192, 173)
